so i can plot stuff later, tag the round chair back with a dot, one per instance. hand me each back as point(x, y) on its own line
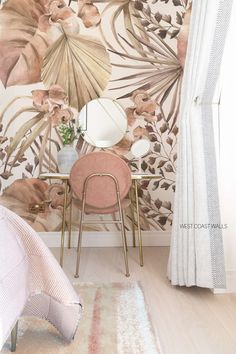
point(101, 190)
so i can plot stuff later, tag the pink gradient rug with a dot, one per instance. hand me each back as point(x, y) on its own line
point(115, 320)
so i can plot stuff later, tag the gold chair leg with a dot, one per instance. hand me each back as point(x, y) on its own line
point(126, 245)
point(80, 239)
point(132, 217)
point(124, 241)
point(138, 224)
point(14, 337)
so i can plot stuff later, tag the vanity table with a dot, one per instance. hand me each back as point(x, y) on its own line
point(103, 123)
point(64, 177)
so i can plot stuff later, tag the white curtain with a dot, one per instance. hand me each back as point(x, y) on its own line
point(196, 253)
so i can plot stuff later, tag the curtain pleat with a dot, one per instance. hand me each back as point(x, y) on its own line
point(196, 253)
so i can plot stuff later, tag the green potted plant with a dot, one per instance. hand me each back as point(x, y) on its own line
point(66, 157)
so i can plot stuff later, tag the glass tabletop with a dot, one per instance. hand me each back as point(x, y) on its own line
point(65, 176)
point(48, 175)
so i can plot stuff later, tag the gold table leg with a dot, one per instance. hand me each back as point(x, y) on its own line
point(70, 223)
point(63, 222)
point(132, 215)
point(138, 224)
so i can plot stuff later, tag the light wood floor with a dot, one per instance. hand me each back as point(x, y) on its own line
point(187, 321)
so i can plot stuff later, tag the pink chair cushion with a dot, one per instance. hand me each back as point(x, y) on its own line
point(101, 191)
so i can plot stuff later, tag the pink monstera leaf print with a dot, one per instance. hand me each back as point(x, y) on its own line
point(182, 40)
point(22, 46)
point(24, 37)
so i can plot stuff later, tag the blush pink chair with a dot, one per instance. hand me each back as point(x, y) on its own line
point(101, 181)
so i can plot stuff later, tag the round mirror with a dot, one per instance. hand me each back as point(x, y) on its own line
point(103, 122)
point(140, 148)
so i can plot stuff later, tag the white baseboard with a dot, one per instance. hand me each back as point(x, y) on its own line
point(231, 281)
point(107, 239)
point(230, 284)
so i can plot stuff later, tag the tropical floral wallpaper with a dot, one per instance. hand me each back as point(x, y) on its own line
point(57, 55)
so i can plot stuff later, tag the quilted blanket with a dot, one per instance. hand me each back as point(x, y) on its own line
point(31, 280)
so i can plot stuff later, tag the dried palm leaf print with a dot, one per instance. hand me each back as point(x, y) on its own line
point(125, 9)
point(80, 64)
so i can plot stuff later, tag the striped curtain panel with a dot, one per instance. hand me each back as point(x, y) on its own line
point(196, 253)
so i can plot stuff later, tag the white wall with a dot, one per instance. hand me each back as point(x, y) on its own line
point(227, 163)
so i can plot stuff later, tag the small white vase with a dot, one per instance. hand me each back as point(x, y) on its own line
point(66, 158)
